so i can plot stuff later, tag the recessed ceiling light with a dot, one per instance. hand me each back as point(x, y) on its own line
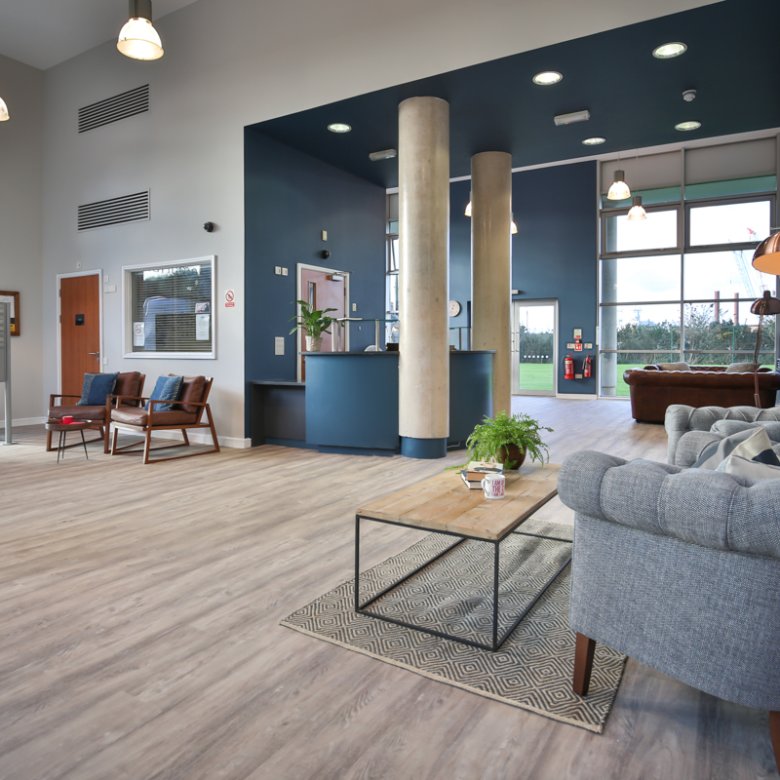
point(595, 141)
point(686, 127)
point(339, 127)
point(547, 77)
point(668, 50)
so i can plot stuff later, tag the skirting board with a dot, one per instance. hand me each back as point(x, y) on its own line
point(20, 421)
point(577, 396)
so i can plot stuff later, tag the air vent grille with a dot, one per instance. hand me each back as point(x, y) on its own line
point(104, 112)
point(127, 208)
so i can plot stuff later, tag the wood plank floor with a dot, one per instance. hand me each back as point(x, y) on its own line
point(139, 636)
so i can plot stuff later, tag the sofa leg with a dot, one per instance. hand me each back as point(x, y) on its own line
point(583, 663)
point(774, 734)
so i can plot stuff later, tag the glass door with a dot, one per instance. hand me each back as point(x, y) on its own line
point(534, 354)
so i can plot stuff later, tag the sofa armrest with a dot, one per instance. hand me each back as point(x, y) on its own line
point(691, 444)
point(703, 507)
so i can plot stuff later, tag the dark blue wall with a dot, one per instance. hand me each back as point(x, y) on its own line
point(289, 198)
point(554, 255)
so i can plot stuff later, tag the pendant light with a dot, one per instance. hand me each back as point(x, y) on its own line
point(619, 190)
point(138, 39)
point(4, 115)
point(767, 255)
point(637, 212)
point(513, 231)
point(467, 212)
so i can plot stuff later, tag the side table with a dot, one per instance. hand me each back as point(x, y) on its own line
point(63, 429)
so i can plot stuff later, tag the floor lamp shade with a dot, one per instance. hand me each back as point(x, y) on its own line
point(767, 255)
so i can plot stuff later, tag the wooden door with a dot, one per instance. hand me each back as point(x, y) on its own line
point(79, 330)
point(323, 289)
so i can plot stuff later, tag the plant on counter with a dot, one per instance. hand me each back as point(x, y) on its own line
point(313, 322)
point(508, 440)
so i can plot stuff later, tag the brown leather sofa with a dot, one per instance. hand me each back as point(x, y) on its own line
point(653, 389)
point(128, 383)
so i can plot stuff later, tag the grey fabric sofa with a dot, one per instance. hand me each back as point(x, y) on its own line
point(679, 569)
point(680, 419)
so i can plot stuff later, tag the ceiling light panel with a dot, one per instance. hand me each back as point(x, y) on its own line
point(667, 51)
point(339, 127)
point(686, 127)
point(547, 78)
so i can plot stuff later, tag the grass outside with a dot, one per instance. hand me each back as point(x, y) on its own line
point(538, 377)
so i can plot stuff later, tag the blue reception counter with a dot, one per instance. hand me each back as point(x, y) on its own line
point(351, 399)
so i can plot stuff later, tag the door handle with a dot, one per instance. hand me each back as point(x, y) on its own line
point(96, 354)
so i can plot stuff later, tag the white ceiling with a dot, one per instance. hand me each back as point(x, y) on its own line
point(43, 33)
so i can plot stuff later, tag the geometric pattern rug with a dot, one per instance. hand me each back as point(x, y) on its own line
point(532, 670)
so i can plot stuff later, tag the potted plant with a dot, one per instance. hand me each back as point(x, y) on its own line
point(508, 440)
point(313, 322)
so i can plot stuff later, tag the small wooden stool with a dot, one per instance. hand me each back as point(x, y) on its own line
point(62, 429)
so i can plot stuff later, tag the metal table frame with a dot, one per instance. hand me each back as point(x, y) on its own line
point(497, 640)
point(63, 429)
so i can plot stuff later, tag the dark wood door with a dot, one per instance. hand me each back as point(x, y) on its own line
point(79, 330)
point(323, 289)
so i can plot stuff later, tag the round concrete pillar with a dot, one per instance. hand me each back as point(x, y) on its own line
point(424, 212)
point(491, 267)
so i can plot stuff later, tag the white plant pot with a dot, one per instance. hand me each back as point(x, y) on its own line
point(313, 343)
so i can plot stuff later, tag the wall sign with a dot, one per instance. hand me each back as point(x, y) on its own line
point(12, 299)
point(230, 299)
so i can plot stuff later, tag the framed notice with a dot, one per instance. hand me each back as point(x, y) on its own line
point(12, 299)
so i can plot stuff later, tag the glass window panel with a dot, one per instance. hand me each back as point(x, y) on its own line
point(613, 364)
point(727, 335)
point(171, 309)
point(627, 279)
point(722, 275)
point(730, 223)
point(648, 327)
point(658, 231)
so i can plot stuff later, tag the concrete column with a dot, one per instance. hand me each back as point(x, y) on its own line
point(491, 267)
point(424, 213)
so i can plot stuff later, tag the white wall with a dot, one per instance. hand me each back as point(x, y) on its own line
point(230, 63)
point(21, 147)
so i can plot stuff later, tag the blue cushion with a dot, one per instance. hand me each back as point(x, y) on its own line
point(167, 388)
point(96, 388)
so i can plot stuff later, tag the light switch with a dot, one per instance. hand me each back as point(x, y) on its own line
point(278, 270)
point(279, 345)
point(324, 235)
point(285, 272)
point(354, 307)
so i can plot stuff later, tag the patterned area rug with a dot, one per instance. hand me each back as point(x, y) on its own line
point(532, 670)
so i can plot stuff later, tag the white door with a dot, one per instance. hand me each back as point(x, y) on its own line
point(534, 348)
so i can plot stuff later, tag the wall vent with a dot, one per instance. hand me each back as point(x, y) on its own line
point(104, 112)
point(114, 211)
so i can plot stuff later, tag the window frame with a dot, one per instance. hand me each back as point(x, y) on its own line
point(621, 212)
point(725, 201)
point(127, 308)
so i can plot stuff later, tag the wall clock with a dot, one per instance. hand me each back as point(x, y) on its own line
point(454, 308)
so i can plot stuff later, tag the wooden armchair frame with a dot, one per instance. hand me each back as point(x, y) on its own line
point(151, 426)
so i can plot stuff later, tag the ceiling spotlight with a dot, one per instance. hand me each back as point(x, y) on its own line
point(619, 190)
point(637, 212)
point(339, 127)
point(689, 95)
point(4, 115)
point(384, 154)
point(594, 141)
point(570, 119)
point(138, 39)
point(547, 78)
point(667, 51)
point(686, 127)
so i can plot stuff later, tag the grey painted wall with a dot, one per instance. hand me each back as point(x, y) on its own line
point(20, 228)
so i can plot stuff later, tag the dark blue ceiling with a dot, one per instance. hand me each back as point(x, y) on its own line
point(733, 61)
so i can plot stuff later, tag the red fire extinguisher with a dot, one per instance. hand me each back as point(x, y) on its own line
point(568, 367)
point(587, 369)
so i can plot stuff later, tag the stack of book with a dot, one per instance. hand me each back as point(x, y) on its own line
point(475, 472)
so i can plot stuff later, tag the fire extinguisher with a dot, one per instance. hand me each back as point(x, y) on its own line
point(587, 369)
point(568, 367)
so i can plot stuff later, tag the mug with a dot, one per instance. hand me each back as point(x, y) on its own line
point(493, 485)
point(67, 419)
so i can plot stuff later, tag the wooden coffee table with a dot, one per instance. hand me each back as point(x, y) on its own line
point(443, 505)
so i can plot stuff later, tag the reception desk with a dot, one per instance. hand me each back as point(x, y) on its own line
point(350, 402)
